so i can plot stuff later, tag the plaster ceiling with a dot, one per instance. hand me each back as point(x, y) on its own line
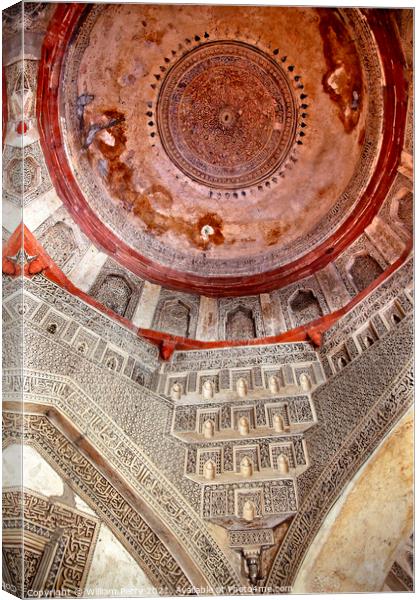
point(220, 143)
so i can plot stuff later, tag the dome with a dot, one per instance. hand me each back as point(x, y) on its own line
point(216, 151)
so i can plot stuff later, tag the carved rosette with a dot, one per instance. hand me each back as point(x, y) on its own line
point(227, 115)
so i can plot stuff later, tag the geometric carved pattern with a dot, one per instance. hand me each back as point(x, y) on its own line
point(220, 497)
point(273, 373)
point(97, 322)
point(254, 496)
point(238, 413)
point(151, 484)
point(338, 468)
point(243, 356)
point(271, 497)
point(286, 449)
point(208, 415)
point(256, 537)
point(114, 293)
point(374, 107)
point(62, 239)
point(250, 452)
point(246, 472)
point(20, 566)
point(203, 158)
point(22, 176)
point(227, 379)
point(246, 375)
point(280, 409)
point(179, 316)
point(214, 455)
point(300, 410)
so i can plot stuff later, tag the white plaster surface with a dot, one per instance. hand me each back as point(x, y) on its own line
point(11, 215)
point(81, 505)
point(143, 316)
point(113, 572)
point(354, 549)
point(40, 209)
point(18, 140)
point(86, 270)
point(11, 471)
point(37, 473)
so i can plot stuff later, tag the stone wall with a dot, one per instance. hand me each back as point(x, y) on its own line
point(147, 416)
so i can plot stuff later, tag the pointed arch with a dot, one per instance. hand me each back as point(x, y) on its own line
point(128, 516)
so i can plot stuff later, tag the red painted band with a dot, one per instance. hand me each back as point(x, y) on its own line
point(168, 343)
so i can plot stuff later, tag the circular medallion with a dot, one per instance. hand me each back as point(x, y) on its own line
point(227, 115)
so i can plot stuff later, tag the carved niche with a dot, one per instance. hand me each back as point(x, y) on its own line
point(115, 293)
point(240, 318)
point(175, 318)
point(399, 208)
point(304, 307)
point(176, 314)
point(240, 324)
point(363, 270)
point(117, 290)
point(59, 242)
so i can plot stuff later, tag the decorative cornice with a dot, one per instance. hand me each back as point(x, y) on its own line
point(23, 249)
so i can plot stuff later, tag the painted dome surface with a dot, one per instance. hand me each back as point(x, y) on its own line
point(221, 142)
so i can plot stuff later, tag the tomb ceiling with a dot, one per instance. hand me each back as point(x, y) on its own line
point(220, 444)
point(214, 150)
